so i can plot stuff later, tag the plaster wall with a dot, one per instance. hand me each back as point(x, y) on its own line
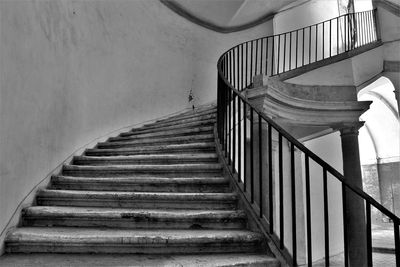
point(327, 147)
point(74, 70)
point(353, 71)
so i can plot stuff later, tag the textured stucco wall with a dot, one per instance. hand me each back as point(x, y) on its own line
point(74, 70)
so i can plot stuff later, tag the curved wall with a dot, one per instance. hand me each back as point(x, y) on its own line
point(74, 70)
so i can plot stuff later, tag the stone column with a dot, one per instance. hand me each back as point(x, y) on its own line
point(355, 210)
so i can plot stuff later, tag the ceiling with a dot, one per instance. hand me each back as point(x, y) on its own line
point(230, 13)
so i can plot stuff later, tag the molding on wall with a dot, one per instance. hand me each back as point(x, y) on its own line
point(178, 9)
point(391, 66)
point(389, 6)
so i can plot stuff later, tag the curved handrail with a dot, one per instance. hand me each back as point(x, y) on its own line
point(236, 69)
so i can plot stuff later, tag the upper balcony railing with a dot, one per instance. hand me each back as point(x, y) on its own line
point(283, 52)
point(300, 199)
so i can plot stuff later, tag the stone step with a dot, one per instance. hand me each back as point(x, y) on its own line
point(142, 184)
point(88, 240)
point(158, 149)
point(133, 218)
point(207, 128)
point(177, 126)
point(115, 142)
point(142, 200)
point(173, 260)
point(176, 122)
point(188, 115)
point(147, 159)
point(149, 169)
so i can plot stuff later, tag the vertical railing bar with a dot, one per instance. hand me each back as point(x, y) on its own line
point(261, 56)
point(316, 43)
point(270, 181)
point(293, 188)
point(245, 146)
point(251, 63)
point(237, 69)
point(244, 83)
point(281, 205)
point(226, 118)
point(234, 68)
point(290, 51)
point(279, 52)
point(326, 216)
point(297, 45)
point(239, 140)
point(234, 132)
point(260, 165)
point(246, 63)
point(273, 55)
point(323, 40)
point(363, 28)
point(303, 47)
point(256, 67)
point(346, 249)
point(330, 38)
point(346, 30)
point(229, 127)
point(369, 234)
point(284, 53)
point(309, 45)
point(308, 209)
point(266, 56)
point(251, 157)
point(370, 27)
point(337, 36)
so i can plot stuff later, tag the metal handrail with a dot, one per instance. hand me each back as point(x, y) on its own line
point(235, 74)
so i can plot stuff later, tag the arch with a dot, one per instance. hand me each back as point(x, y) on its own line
point(381, 98)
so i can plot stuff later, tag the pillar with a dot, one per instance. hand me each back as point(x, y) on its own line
point(355, 209)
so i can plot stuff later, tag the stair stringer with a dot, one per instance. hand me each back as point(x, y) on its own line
point(254, 222)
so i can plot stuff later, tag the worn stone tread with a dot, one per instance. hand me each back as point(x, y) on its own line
point(149, 158)
point(129, 141)
point(178, 125)
point(135, 195)
point(175, 122)
point(125, 260)
point(163, 149)
point(122, 236)
point(117, 212)
point(173, 132)
point(142, 184)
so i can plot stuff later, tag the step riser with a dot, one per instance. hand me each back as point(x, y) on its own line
point(136, 223)
point(213, 188)
point(149, 151)
point(132, 173)
point(98, 162)
point(141, 248)
point(169, 128)
point(126, 144)
point(181, 121)
point(174, 125)
point(187, 116)
point(138, 204)
point(180, 132)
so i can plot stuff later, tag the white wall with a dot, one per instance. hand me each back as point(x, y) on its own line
point(329, 148)
point(74, 70)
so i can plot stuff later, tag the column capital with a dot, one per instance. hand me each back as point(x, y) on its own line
point(348, 128)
